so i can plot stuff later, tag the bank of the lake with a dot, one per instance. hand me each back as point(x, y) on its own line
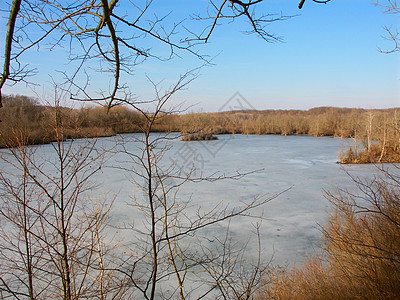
point(375, 132)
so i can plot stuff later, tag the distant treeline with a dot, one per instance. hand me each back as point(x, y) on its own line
point(22, 114)
point(376, 133)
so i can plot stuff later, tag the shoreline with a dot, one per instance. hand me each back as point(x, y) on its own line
point(215, 137)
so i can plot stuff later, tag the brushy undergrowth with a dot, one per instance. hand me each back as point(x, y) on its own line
point(361, 258)
point(376, 153)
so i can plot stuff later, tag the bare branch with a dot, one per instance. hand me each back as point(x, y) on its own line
point(8, 45)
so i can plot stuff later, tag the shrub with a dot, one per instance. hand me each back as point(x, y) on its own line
point(361, 257)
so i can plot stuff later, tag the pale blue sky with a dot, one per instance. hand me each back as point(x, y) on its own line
point(329, 57)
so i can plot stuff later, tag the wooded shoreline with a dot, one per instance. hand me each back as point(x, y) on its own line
point(376, 132)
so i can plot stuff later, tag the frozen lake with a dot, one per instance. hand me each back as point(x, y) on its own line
point(296, 168)
point(291, 172)
point(301, 167)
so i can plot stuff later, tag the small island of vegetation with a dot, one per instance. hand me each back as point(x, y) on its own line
point(198, 136)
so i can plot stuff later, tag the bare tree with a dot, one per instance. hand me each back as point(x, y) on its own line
point(362, 235)
point(165, 259)
point(53, 243)
point(102, 33)
point(392, 34)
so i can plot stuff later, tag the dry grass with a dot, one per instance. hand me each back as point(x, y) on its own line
point(362, 249)
point(374, 154)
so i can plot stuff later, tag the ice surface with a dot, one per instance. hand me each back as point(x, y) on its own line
point(302, 166)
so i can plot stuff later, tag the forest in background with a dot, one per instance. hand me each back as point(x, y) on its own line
point(375, 132)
